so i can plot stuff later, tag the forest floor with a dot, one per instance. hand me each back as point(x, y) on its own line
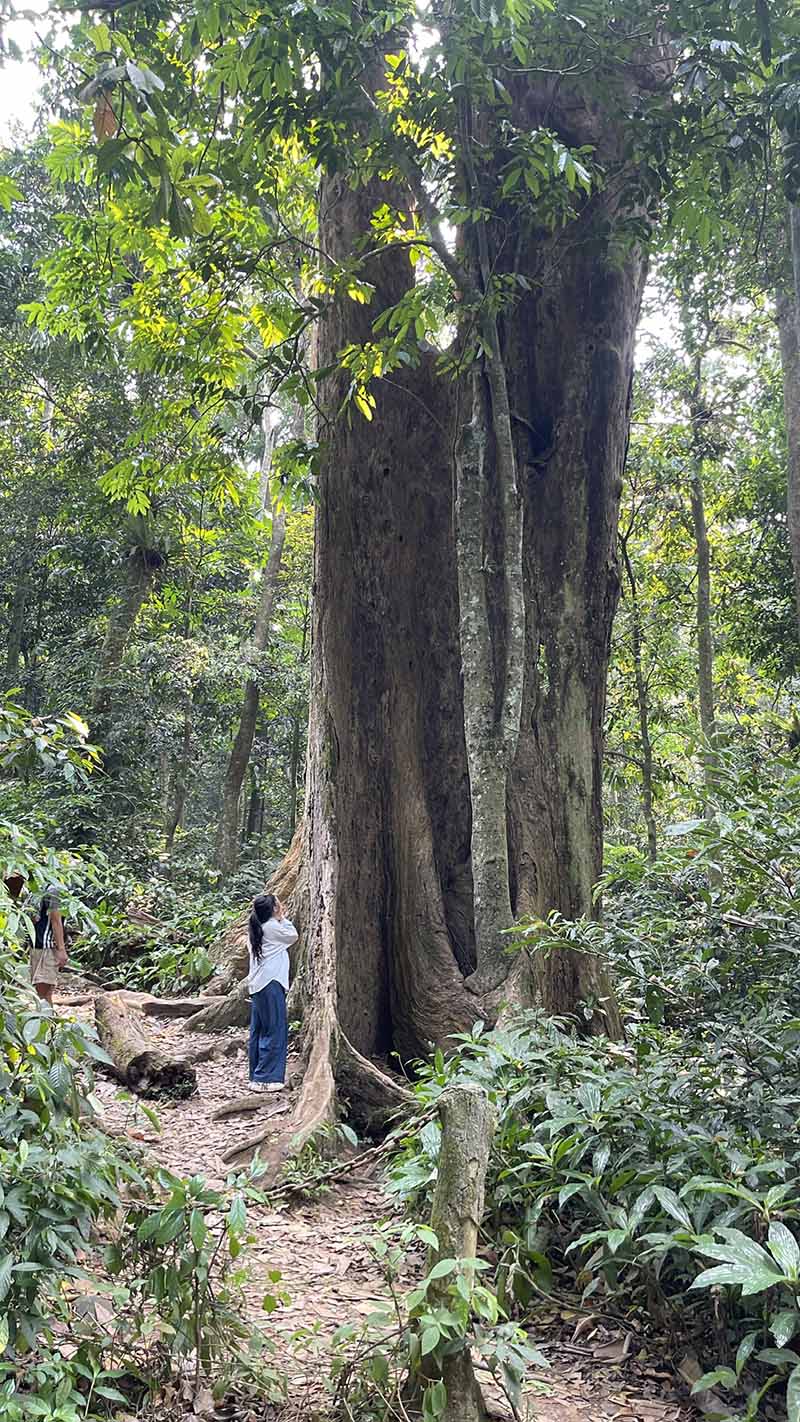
point(319, 1245)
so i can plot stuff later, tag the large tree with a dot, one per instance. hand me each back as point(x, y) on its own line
point(466, 573)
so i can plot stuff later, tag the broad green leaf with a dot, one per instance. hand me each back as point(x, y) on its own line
point(430, 1339)
point(784, 1248)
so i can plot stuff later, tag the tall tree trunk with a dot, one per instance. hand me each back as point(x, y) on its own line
point(141, 566)
point(380, 872)
point(22, 586)
point(294, 759)
point(642, 705)
point(787, 302)
point(19, 601)
point(180, 786)
point(703, 612)
point(254, 805)
point(239, 759)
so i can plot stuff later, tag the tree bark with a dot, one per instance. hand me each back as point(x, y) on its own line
point(787, 309)
point(456, 1215)
point(180, 786)
point(642, 706)
point(385, 902)
point(138, 1061)
point(141, 567)
point(228, 831)
point(703, 608)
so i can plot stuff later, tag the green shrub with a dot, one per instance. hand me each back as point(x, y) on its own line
point(621, 1169)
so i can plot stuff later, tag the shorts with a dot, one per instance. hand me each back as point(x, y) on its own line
point(44, 967)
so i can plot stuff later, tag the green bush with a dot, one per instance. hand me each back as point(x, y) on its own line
point(623, 1168)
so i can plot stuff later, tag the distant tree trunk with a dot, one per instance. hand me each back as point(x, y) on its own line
point(19, 601)
point(787, 301)
point(703, 611)
point(642, 704)
point(180, 786)
point(22, 586)
point(254, 804)
point(239, 759)
point(141, 567)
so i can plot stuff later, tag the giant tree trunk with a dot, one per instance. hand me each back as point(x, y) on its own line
point(239, 759)
point(384, 900)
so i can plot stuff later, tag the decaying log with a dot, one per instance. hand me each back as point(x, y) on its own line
point(456, 1213)
point(138, 1060)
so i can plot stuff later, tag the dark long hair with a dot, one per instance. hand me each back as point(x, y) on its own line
point(261, 912)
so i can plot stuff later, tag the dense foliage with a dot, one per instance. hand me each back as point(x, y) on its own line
point(161, 280)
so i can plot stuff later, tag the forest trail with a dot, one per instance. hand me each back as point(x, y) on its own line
point(320, 1248)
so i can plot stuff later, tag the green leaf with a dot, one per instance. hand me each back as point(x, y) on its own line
point(430, 1339)
point(793, 1396)
point(784, 1325)
point(784, 1248)
point(441, 1269)
point(669, 1201)
point(434, 1400)
point(724, 1376)
point(744, 1351)
point(198, 1233)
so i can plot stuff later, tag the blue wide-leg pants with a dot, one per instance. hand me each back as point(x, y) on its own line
point(268, 1034)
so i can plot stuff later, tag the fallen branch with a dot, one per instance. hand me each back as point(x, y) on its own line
point(138, 1061)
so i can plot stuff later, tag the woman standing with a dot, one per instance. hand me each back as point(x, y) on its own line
point(270, 935)
point(49, 952)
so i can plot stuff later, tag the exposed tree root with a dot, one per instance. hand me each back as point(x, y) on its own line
point(168, 1007)
point(219, 1013)
point(246, 1106)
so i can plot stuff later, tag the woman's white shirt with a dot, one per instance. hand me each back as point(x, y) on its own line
point(273, 966)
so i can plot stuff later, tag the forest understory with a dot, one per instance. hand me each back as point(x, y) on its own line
point(319, 1238)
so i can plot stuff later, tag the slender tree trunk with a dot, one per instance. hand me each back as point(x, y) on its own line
point(22, 587)
point(19, 601)
point(254, 803)
point(788, 313)
point(703, 611)
point(180, 786)
point(642, 706)
point(239, 759)
point(141, 567)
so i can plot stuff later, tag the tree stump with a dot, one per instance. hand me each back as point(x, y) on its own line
point(138, 1061)
point(456, 1213)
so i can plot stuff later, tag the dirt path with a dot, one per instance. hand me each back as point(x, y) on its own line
point(330, 1276)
